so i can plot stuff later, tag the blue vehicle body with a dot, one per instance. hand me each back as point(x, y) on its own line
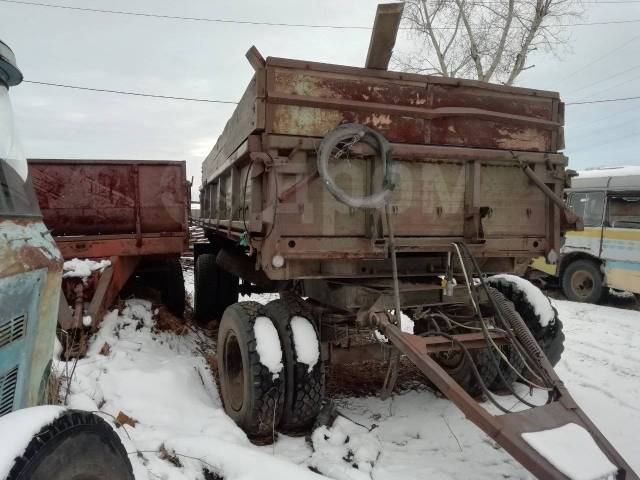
point(30, 268)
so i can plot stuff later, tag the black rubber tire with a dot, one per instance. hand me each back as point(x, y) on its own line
point(75, 445)
point(215, 289)
point(164, 275)
point(262, 396)
point(550, 338)
point(464, 375)
point(552, 342)
point(304, 390)
point(589, 268)
point(173, 292)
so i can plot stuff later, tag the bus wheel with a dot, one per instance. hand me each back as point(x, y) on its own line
point(582, 281)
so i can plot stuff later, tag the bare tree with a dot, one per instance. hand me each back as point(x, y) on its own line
point(488, 40)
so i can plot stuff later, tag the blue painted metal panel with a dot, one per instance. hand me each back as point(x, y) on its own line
point(20, 295)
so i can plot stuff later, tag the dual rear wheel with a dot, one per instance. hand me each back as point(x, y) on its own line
point(266, 379)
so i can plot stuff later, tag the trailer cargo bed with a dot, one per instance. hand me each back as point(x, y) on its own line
point(127, 211)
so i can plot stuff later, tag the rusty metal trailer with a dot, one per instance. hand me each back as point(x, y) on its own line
point(133, 213)
point(359, 193)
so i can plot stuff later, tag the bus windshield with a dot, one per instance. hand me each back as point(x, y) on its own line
point(17, 197)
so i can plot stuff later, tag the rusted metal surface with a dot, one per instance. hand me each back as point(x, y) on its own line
point(92, 296)
point(309, 99)
point(30, 260)
point(453, 144)
point(506, 429)
point(127, 199)
point(100, 246)
point(302, 98)
point(381, 352)
point(120, 210)
point(111, 282)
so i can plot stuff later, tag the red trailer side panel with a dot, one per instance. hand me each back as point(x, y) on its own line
point(131, 201)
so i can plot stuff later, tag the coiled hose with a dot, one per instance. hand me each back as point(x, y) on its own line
point(350, 134)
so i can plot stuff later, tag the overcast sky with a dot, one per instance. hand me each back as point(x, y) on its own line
point(206, 60)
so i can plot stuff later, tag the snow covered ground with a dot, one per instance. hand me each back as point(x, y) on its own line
point(162, 381)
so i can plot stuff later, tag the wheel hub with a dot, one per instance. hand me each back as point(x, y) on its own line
point(582, 283)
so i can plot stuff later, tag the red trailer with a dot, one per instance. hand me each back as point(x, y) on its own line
point(132, 213)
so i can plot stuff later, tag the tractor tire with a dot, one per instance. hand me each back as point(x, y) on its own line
point(77, 445)
point(550, 337)
point(215, 289)
point(251, 395)
point(172, 291)
point(582, 281)
point(304, 389)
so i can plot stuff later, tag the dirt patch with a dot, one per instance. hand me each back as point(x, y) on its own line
point(166, 321)
point(367, 378)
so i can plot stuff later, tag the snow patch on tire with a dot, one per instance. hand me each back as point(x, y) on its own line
point(268, 345)
point(305, 342)
point(535, 296)
point(18, 428)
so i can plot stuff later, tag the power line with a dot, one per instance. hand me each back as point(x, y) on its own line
point(207, 100)
point(123, 92)
point(607, 100)
point(606, 79)
point(175, 17)
point(582, 125)
point(596, 60)
point(600, 92)
point(597, 145)
point(282, 24)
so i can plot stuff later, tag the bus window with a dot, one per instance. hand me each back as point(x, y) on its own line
point(624, 211)
point(589, 206)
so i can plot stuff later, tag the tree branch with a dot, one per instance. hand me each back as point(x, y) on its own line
point(497, 56)
point(434, 40)
point(473, 46)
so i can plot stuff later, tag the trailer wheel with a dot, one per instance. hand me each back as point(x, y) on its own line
point(251, 395)
point(582, 282)
point(173, 291)
point(214, 289)
point(552, 342)
point(459, 368)
point(77, 445)
point(550, 338)
point(164, 275)
point(303, 388)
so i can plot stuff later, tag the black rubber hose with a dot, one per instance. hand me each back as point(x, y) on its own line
point(486, 333)
point(355, 133)
point(527, 340)
point(474, 369)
